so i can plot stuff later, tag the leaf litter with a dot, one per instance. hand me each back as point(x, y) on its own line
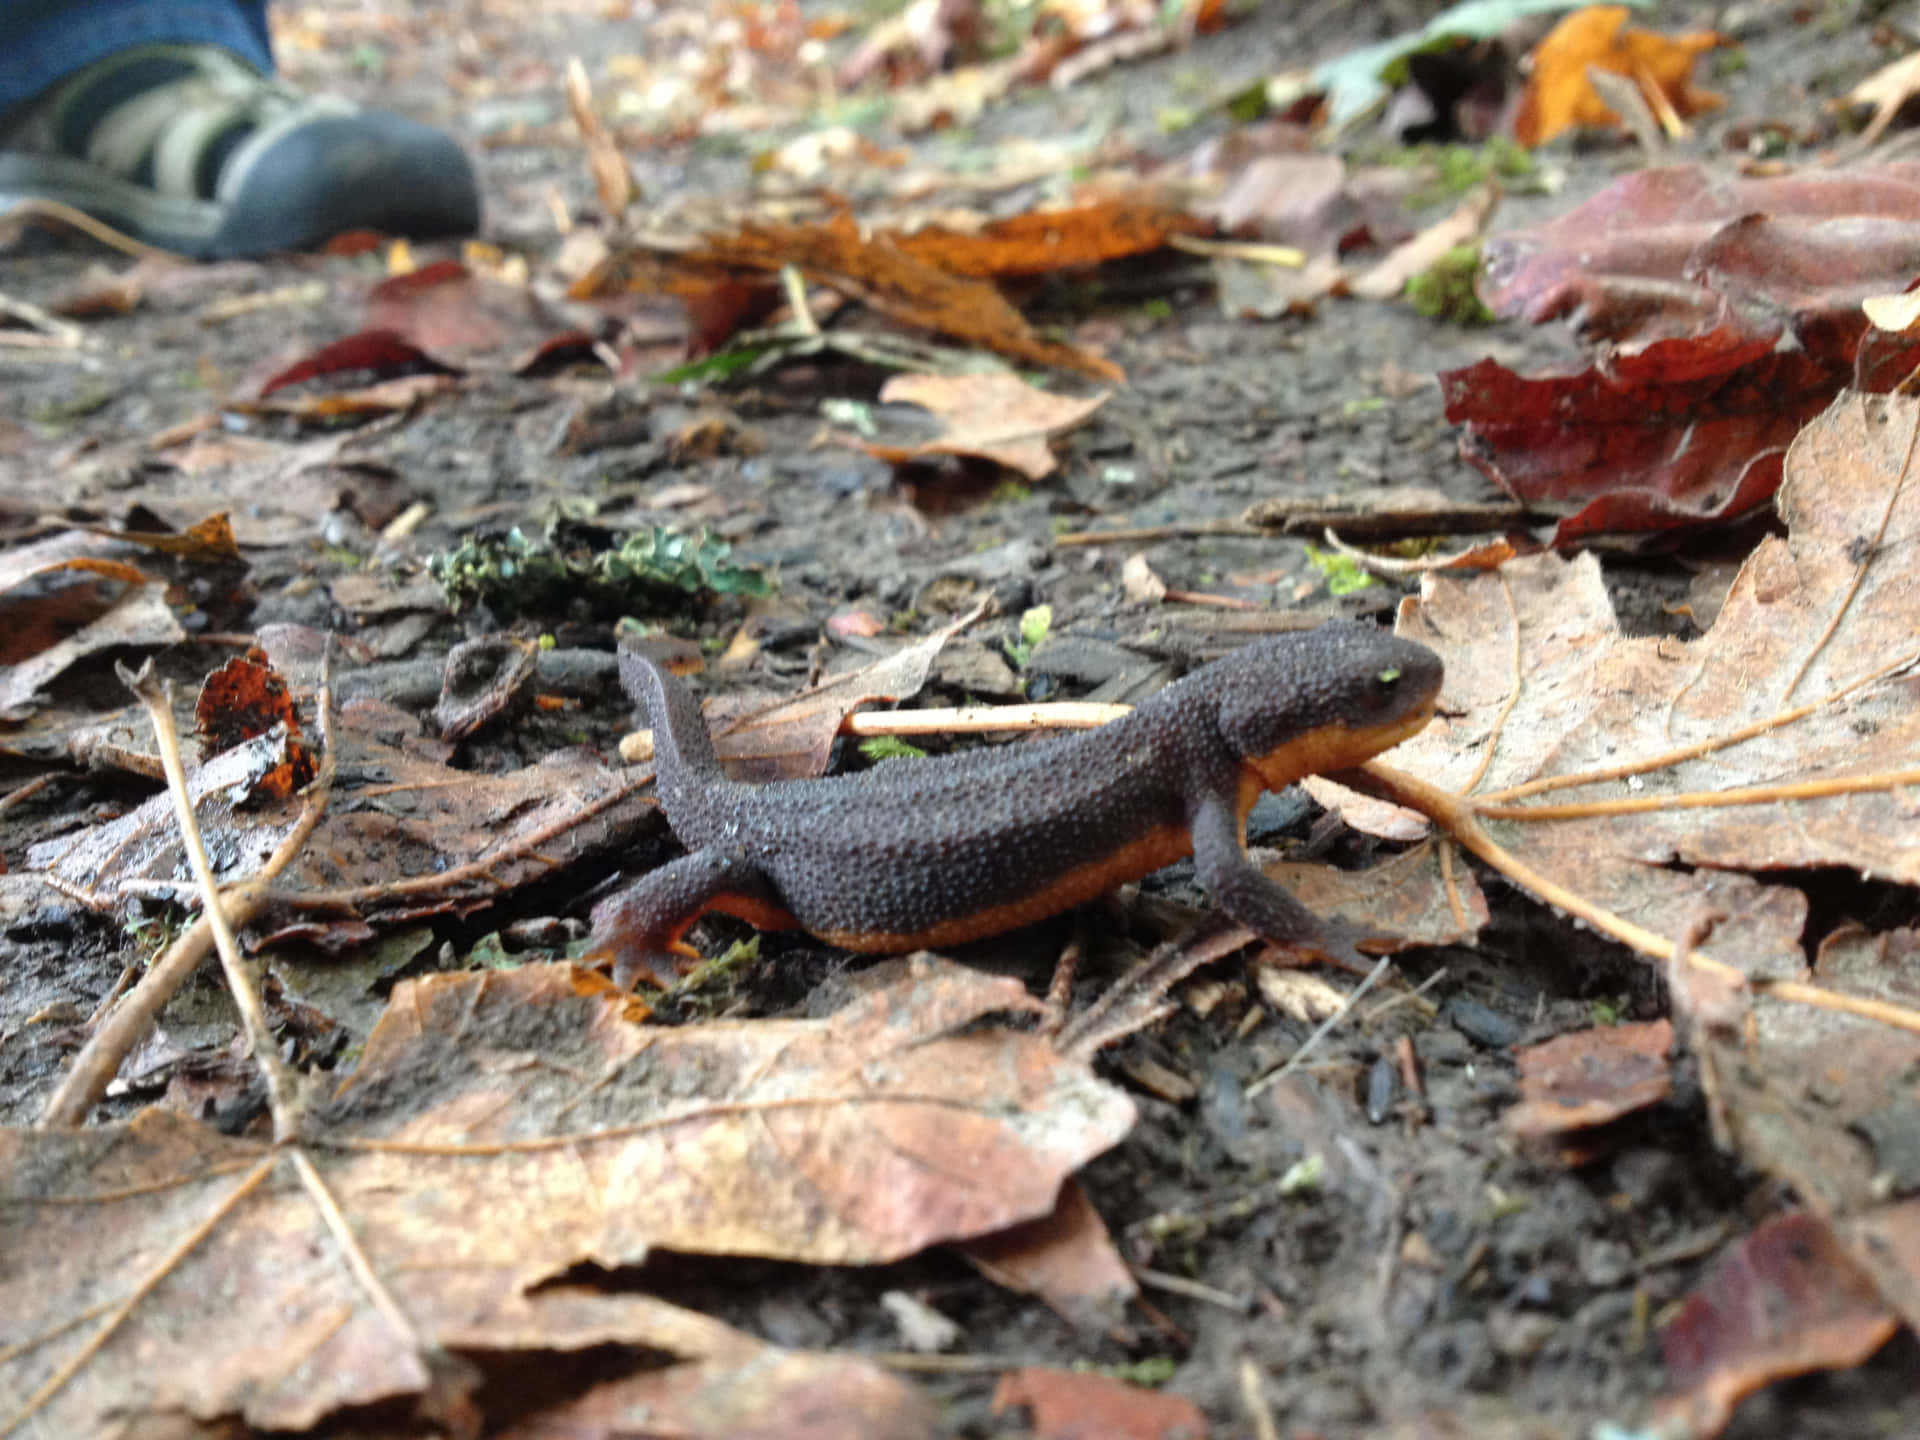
point(1766, 1057)
point(500, 1131)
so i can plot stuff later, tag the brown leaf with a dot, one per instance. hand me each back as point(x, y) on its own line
point(877, 271)
point(88, 619)
point(1591, 1077)
point(1066, 1257)
point(1000, 418)
point(1592, 699)
point(763, 1393)
point(1830, 1103)
point(1074, 1406)
point(396, 822)
point(1041, 242)
point(503, 1129)
point(792, 739)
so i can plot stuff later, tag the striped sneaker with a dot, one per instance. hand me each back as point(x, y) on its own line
point(188, 148)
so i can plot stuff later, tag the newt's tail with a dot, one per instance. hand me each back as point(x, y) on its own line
point(683, 754)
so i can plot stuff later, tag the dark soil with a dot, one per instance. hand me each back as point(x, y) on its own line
point(1441, 1279)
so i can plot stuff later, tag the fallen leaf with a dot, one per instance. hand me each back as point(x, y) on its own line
point(72, 601)
point(1688, 252)
point(1829, 1102)
point(1591, 1077)
point(398, 823)
point(873, 269)
point(1560, 97)
point(1641, 448)
point(1042, 242)
point(244, 698)
point(385, 353)
point(504, 1130)
point(1591, 699)
point(1786, 1300)
point(792, 738)
point(1076, 1406)
point(1000, 418)
point(1356, 82)
point(1065, 1257)
point(1726, 312)
point(761, 1393)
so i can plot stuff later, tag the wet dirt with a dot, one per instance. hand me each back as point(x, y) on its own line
point(1440, 1278)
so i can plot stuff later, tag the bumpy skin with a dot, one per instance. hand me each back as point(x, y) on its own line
point(936, 851)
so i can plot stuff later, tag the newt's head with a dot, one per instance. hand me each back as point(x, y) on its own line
point(1325, 699)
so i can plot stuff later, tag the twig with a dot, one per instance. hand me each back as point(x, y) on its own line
point(1704, 799)
point(100, 1059)
point(1460, 817)
point(53, 330)
point(1190, 1289)
point(39, 209)
point(350, 1249)
point(283, 1086)
point(1274, 1077)
point(1703, 747)
point(1142, 533)
point(1253, 1399)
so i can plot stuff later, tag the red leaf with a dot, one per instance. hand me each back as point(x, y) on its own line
point(1726, 314)
point(1784, 1301)
point(381, 351)
point(1679, 252)
point(1658, 447)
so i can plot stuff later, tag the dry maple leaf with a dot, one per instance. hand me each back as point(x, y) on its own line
point(1591, 700)
point(1559, 96)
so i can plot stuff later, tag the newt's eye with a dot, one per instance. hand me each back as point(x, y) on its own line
point(1387, 676)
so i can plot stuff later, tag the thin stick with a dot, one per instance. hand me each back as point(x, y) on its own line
point(283, 1086)
point(36, 209)
point(356, 1258)
point(1703, 799)
point(1274, 1077)
point(1670, 758)
point(1513, 690)
point(1459, 818)
point(100, 1059)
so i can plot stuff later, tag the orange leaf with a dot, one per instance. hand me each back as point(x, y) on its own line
point(1043, 241)
point(1559, 95)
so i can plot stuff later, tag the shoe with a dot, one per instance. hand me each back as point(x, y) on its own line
point(189, 148)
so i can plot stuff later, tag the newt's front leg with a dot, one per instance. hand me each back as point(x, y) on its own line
point(1242, 892)
point(641, 925)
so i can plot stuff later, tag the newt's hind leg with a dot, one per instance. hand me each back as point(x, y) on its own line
point(641, 926)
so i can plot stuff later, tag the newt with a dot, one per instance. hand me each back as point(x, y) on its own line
point(931, 852)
